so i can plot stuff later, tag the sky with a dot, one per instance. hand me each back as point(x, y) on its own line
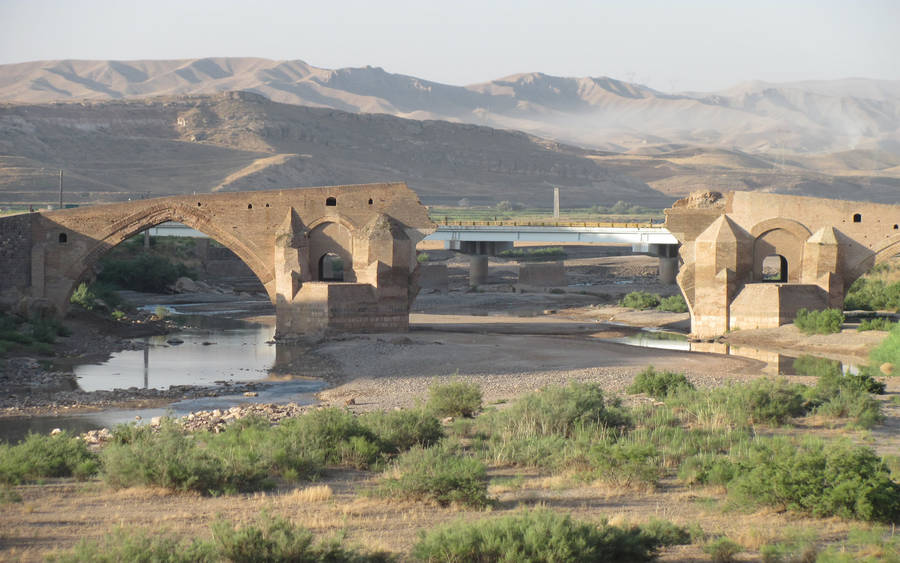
point(668, 45)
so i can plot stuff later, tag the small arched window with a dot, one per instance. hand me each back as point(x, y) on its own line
point(331, 202)
point(249, 206)
point(370, 201)
point(63, 238)
point(857, 218)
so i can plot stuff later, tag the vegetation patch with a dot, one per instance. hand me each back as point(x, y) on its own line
point(39, 456)
point(640, 300)
point(878, 323)
point(658, 383)
point(828, 321)
point(436, 475)
point(673, 304)
point(457, 398)
point(143, 272)
point(544, 254)
point(873, 295)
point(544, 535)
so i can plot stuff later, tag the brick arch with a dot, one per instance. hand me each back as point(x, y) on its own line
point(157, 213)
point(882, 253)
point(780, 237)
point(331, 234)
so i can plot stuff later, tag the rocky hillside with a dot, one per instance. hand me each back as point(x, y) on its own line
point(600, 113)
point(113, 150)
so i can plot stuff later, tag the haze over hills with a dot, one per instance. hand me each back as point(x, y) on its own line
point(113, 150)
point(600, 113)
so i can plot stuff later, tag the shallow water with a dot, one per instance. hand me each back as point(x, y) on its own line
point(214, 350)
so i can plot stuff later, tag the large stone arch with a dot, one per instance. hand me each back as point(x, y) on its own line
point(331, 234)
point(882, 253)
point(779, 237)
point(142, 219)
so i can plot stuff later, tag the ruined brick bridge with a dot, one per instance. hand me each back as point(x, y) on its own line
point(342, 258)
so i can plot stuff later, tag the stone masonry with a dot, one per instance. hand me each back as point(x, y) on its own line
point(818, 248)
point(283, 236)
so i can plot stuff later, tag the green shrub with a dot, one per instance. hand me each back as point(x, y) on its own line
point(888, 352)
point(828, 321)
point(436, 475)
point(277, 539)
point(83, 297)
point(722, 549)
point(761, 401)
point(815, 477)
point(626, 463)
point(457, 398)
point(422, 257)
point(328, 436)
point(144, 272)
point(873, 295)
point(658, 383)
point(139, 546)
point(39, 456)
point(172, 459)
point(88, 296)
point(9, 496)
point(267, 540)
point(673, 304)
point(555, 411)
point(878, 323)
point(640, 300)
point(541, 535)
point(399, 431)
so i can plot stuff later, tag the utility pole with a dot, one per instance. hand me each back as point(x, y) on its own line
point(60, 188)
point(556, 203)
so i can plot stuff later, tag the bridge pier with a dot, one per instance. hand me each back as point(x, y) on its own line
point(478, 270)
point(488, 248)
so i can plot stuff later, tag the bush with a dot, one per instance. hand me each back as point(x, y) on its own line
point(873, 295)
point(878, 323)
point(658, 383)
point(457, 398)
point(141, 546)
point(277, 539)
point(818, 478)
point(761, 401)
point(268, 539)
point(436, 475)
point(542, 535)
point(39, 456)
point(399, 431)
point(172, 459)
point(673, 304)
point(329, 437)
point(556, 411)
point(828, 321)
point(144, 272)
point(722, 550)
point(640, 300)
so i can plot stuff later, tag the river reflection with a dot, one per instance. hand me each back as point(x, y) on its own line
point(204, 357)
point(776, 362)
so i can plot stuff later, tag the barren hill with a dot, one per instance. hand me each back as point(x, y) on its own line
point(119, 149)
point(595, 112)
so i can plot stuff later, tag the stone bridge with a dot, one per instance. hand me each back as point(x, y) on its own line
point(751, 260)
point(339, 258)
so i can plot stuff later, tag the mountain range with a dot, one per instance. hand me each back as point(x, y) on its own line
point(592, 112)
point(141, 128)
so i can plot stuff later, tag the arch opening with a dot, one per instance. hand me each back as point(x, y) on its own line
point(774, 269)
point(331, 268)
point(331, 202)
point(857, 218)
point(63, 238)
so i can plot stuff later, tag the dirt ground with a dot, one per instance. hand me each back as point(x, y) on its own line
point(509, 343)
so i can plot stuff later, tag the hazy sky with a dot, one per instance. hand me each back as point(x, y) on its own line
point(669, 45)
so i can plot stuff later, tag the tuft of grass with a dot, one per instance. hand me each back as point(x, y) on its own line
point(436, 475)
point(398, 431)
point(722, 549)
point(457, 398)
point(878, 323)
point(542, 535)
point(658, 383)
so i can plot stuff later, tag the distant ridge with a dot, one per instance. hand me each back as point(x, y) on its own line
point(596, 112)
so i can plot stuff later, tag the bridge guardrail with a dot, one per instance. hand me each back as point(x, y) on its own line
point(587, 224)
